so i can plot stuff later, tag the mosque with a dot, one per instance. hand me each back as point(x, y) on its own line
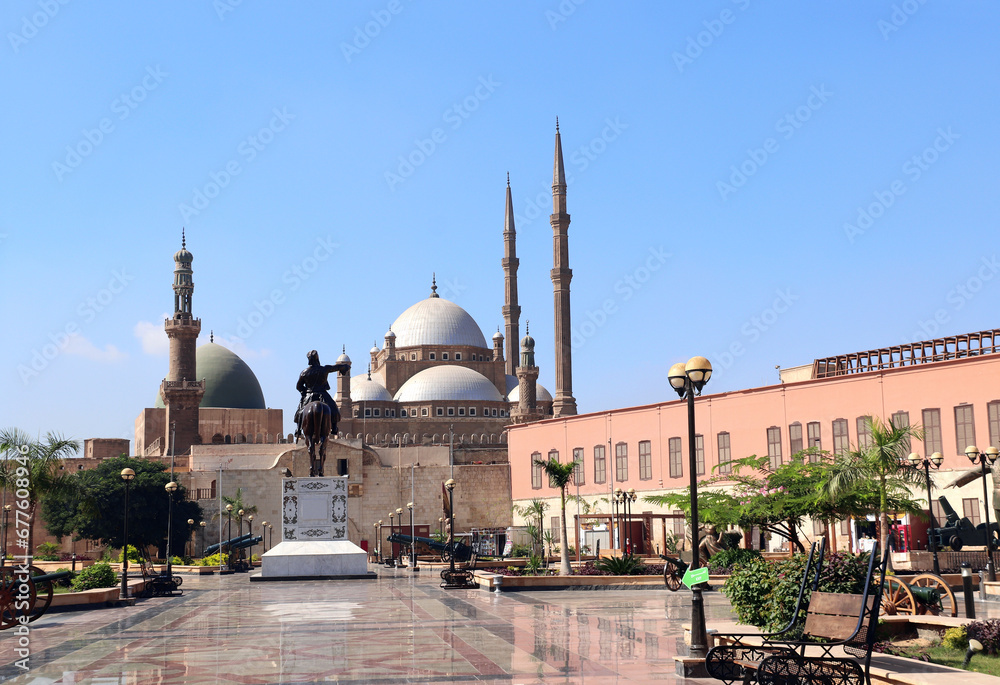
point(435, 380)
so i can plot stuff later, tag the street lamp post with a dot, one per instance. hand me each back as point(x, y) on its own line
point(413, 546)
point(239, 552)
point(191, 536)
point(171, 488)
point(229, 536)
point(630, 497)
point(688, 380)
point(263, 535)
point(378, 549)
point(392, 530)
point(203, 540)
point(988, 456)
point(399, 517)
point(450, 487)
point(6, 519)
point(616, 501)
point(250, 531)
point(935, 460)
point(127, 476)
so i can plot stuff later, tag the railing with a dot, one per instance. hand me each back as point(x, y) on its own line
point(924, 352)
point(152, 448)
point(184, 384)
point(204, 493)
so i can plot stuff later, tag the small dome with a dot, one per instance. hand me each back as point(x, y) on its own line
point(364, 389)
point(498, 335)
point(390, 335)
point(229, 382)
point(541, 394)
point(511, 383)
point(436, 321)
point(373, 350)
point(182, 255)
point(343, 359)
point(527, 343)
point(448, 383)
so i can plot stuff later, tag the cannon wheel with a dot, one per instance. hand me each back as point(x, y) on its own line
point(671, 575)
point(39, 597)
point(43, 595)
point(948, 606)
point(955, 543)
point(897, 598)
point(178, 581)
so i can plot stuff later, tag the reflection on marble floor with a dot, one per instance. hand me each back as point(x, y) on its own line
point(397, 629)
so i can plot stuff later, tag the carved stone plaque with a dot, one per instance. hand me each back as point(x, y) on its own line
point(314, 508)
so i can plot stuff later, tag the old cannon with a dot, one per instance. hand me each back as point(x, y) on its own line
point(960, 531)
point(922, 594)
point(25, 594)
point(462, 551)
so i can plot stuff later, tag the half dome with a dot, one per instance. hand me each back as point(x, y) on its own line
point(364, 389)
point(436, 321)
point(448, 382)
point(229, 382)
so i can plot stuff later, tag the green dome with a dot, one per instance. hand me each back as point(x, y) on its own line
point(229, 382)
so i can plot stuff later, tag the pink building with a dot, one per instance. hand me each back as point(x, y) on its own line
point(948, 386)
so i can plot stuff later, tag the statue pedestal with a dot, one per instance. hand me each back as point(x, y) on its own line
point(314, 532)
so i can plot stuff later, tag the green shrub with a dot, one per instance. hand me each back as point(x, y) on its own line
point(47, 551)
point(727, 559)
point(534, 565)
point(627, 565)
point(731, 540)
point(66, 582)
point(956, 638)
point(749, 589)
point(97, 576)
point(213, 560)
point(133, 555)
point(520, 551)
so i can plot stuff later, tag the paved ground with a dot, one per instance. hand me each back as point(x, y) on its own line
point(397, 629)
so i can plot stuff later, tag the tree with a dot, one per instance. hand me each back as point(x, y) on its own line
point(237, 502)
point(96, 500)
point(39, 474)
point(533, 511)
point(881, 464)
point(559, 476)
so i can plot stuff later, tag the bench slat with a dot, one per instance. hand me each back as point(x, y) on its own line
point(830, 627)
point(836, 604)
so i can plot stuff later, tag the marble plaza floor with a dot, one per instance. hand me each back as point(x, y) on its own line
point(401, 628)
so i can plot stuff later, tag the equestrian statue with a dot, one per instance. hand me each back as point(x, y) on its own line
point(317, 415)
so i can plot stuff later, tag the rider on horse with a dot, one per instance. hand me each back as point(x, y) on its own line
point(313, 386)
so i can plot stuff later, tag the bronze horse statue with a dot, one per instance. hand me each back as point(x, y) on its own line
point(317, 424)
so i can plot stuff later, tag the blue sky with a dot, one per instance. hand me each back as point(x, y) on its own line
point(759, 183)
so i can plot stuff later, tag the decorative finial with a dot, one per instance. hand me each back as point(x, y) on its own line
point(526, 324)
point(343, 349)
point(434, 285)
point(369, 372)
point(211, 336)
point(557, 124)
point(183, 239)
point(508, 179)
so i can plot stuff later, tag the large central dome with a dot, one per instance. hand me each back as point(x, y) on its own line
point(436, 321)
point(448, 382)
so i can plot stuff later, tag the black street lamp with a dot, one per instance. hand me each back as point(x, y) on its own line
point(616, 502)
point(630, 497)
point(229, 536)
point(127, 476)
point(378, 549)
point(413, 541)
point(171, 488)
point(239, 552)
point(988, 456)
point(934, 460)
point(191, 535)
point(250, 531)
point(263, 536)
point(399, 517)
point(203, 540)
point(688, 380)
point(450, 487)
point(6, 519)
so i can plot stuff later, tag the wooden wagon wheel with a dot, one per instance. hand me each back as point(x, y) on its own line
point(671, 575)
point(897, 598)
point(9, 588)
point(948, 606)
point(43, 594)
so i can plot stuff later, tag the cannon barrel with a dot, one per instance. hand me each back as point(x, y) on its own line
point(247, 543)
point(51, 577)
point(951, 515)
point(926, 595)
point(212, 549)
point(462, 551)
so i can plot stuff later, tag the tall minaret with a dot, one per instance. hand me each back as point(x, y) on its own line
point(564, 403)
point(181, 391)
point(511, 310)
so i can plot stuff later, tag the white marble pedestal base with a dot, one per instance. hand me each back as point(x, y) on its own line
point(311, 559)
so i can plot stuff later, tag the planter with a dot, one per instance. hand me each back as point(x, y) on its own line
point(488, 581)
point(53, 566)
point(94, 599)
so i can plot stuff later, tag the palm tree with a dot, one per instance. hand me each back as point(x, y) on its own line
point(882, 463)
point(43, 461)
point(559, 476)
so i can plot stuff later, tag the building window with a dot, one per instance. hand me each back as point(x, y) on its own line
point(440, 411)
point(451, 411)
point(993, 414)
point(901, 419)
point(458, 356)
point(368, 413)
point(555, 525)
point(795, 438)
point(461, 411)
point(678, 523)
point(645, 460)
point(813, 435)
point(845, 527)
point(965, 427)
point(864, 432)
point(444, 356)
point(553, 454)
point(413, 356)
point(970, 509)
point(600, 465)
point(939, 516)
point(725, 456)
point(621, 462)
point(494, 412)
point(932, 431)
point(376, 412)
point(423, 411)
point(432, 356)
point(841, 438)
point(472, 411)
point(579, 475)
point(676, 465)
point(774, 447)
point(402, 412)
point(817, 527)
point(536, 471)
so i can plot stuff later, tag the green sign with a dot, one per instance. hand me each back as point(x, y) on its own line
point(694, 576)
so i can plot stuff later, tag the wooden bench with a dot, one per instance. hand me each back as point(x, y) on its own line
point(836, 647)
